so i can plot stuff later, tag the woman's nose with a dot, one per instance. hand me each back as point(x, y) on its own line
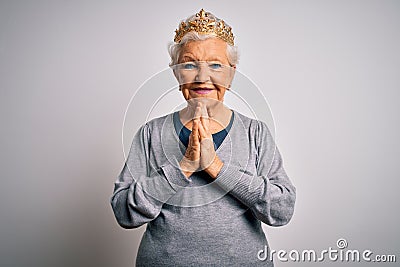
point(203, 74)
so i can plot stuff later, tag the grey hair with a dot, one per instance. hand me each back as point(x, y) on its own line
point(175, 49)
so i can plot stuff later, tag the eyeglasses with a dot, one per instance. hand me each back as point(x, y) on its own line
point(195, 66)
point(200, 71)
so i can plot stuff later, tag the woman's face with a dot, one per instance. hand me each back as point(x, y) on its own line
point(204, 70)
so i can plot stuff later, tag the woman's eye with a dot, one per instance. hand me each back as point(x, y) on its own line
point(189, 66)
point(215, 66)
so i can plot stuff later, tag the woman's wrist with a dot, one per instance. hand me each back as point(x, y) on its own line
point(186, 167)
point(214, 169)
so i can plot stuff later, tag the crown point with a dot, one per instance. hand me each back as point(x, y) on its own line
point(202, 14)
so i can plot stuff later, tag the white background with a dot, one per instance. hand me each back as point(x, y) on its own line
point(330, 72)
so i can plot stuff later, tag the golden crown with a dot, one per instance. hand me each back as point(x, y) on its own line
point(204, 25)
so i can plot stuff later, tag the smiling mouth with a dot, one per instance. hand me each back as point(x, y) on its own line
point(202, 90)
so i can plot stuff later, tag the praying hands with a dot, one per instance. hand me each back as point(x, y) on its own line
point(200, 153)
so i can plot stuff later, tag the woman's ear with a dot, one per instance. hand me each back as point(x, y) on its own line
point(232, 74)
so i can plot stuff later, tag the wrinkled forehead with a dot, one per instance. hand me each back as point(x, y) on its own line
point(213, 49)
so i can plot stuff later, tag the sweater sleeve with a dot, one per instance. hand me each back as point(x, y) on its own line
point(140, 190)
point(269, 193)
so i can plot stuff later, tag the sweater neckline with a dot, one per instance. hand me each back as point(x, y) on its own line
point(183, 127)
point(235, 119)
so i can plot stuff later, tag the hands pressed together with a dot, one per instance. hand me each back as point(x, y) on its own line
point(200, 153)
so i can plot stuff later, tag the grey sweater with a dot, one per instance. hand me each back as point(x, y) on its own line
point(199, 221)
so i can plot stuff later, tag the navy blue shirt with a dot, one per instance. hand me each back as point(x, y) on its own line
point(184, 132)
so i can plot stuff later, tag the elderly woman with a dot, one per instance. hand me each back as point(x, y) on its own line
point(205, 177)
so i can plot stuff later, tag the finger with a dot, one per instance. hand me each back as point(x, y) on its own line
point(202, 132)
point(197, 112)
point(204, 111)
point(195, 132)
point(205, 121)
point(203, 115)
